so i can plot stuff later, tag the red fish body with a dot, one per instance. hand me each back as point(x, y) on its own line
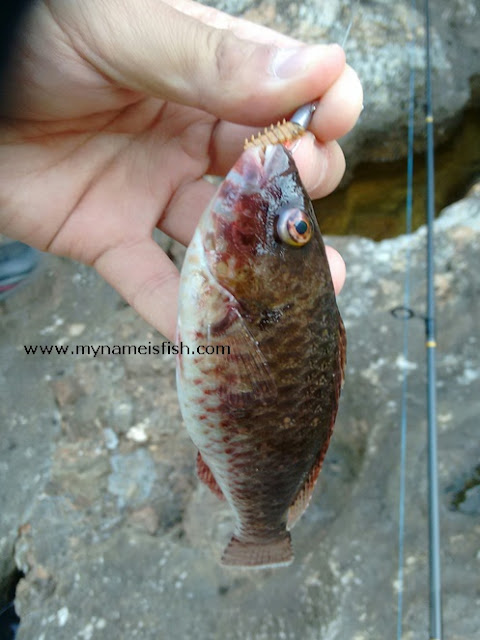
point(256, 285)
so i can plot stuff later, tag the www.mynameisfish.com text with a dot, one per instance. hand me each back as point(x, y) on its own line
point(166, 348)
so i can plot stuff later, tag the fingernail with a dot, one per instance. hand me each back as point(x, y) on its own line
point(288, 63)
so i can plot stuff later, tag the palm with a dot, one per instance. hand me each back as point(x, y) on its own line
point(94, 186)
point(93, 167)
point(111, 177)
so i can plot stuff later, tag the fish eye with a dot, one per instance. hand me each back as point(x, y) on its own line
point(294, 227)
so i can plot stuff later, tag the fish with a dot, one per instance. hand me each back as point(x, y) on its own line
point(260, 404)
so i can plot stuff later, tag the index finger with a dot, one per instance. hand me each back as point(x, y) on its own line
point(146, 278)
point(337, 112)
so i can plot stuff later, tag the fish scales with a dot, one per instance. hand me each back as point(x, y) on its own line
point(261, 416)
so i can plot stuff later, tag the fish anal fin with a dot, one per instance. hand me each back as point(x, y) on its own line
point(206, 476)
point(259, 555)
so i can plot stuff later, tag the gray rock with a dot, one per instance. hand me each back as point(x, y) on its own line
point(132, 478)
point(122, 541)
point(471, 503)
point(100, 507)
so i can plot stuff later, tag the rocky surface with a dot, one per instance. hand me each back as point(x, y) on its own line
point(103, 514)
point(100, 507)
point(379, 49)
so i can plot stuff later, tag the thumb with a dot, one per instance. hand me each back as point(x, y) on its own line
point(151, 47)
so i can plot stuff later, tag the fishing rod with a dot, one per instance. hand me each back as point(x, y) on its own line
point(303, 117)
point(405, 320)
point(435, 604)
point(431, 344)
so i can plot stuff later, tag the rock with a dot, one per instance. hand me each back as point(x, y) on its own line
point(457, 240)
point(471, 504)
point(121, 416)
point(111, 439)
point(100, 506)
point(145, 519)
point(66, 391)
point(116, 537)
point(132, 478)
point(138, 433)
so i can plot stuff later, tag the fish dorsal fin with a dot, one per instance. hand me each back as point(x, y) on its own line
point(206, 476)
point(250, 378)
point(342, 350)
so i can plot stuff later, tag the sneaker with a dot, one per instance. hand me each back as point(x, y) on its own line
point(17, 261)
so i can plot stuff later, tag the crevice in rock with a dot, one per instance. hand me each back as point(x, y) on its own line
point(9, 620)
point(373, 203)
point(466, 498)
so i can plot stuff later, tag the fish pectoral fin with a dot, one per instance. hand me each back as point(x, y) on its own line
point(257, 555)
point(251, 379)
point(206, 476)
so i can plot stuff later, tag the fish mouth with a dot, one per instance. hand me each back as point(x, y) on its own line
point(275, 160)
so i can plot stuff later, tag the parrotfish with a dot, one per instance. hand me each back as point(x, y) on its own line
point(256, 285)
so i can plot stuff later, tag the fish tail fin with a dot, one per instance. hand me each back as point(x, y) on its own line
point(257, 555)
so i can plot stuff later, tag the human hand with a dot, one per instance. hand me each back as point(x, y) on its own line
point(117, 110)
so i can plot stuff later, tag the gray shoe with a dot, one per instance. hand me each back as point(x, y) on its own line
point(17, 261)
